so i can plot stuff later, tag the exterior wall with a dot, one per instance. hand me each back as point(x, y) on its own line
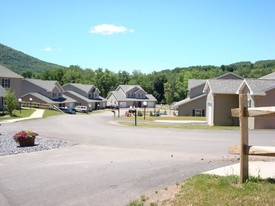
point(140, 94)
point(112, 101)
point(222, 109)
point(70, 87)
point(96, 93)
point(15, 85)
point(81, 101)
point(151, 104)
point(187, 108)
point(34, 99)
point(122, 104)
point(265, 101)
point(28, 87)
point(196, 91)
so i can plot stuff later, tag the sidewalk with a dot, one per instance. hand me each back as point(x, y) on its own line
point(256, 168)
point(38, 113)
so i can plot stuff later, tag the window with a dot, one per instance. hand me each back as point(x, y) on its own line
point(55, 95)
point(6, 83)
point(198, 112)
point(249, 103)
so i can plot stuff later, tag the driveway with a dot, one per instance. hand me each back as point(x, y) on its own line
point(110, 164)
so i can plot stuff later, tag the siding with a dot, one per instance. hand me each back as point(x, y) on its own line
point(187, 108)
point(223, 105)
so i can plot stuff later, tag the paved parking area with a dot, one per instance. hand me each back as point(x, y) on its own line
point(110, 164)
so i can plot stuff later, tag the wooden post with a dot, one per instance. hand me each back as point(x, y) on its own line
point(244, 137)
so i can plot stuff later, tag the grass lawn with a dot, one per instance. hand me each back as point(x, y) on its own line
point(17, 114)
point(50, 112)
point(150, 122)
point(208, 190)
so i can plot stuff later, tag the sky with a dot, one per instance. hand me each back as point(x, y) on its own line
point(145, 35)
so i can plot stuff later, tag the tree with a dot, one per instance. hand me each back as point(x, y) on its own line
point(10, 101)
point(168, 94)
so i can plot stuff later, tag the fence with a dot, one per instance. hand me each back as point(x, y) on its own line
point(35, 105)
point(244, 149)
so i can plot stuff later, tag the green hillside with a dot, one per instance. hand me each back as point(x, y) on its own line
point(20, 62)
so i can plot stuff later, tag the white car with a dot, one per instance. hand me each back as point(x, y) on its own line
point(81, 109)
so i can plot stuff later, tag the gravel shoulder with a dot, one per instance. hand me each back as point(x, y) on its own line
point(9, 147)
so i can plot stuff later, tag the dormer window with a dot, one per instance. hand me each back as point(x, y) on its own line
point(55, 95)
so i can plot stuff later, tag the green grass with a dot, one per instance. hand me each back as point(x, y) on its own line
point(150, 122)
point(49, 112)
point(209, 190)
point(204, 190)
point(17, 114)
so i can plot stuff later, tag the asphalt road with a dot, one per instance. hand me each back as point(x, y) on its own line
point(110, 164)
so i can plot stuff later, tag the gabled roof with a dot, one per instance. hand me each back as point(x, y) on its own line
point(187, 100)
point(5, 72)
point(84, 87)
point(192, 83)
point(120, 96)
point(150, 98)
point(80, 96)
point(48, 85)
point(229, 75)
point(127, 88)
point(222, 86)
point(268, 76)
point(257, 86)
point(63, 99)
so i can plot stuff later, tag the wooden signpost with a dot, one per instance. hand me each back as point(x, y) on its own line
point(244, 149)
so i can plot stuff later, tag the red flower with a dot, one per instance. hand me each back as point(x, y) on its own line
point(24, 135)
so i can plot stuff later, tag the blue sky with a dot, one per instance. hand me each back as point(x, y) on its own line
point(145, 35)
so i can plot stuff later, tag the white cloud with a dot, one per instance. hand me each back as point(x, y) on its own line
point(48, 49)
point(109, 29)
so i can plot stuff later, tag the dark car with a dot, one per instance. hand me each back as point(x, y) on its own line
point(70, 111)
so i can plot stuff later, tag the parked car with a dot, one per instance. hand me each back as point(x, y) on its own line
point(67, 110)
point(70, 111)
point(81, 109)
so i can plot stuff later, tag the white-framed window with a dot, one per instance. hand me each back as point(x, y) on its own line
point(55, 95)
point(6, 83)
point(249, 103)
point(198, 112)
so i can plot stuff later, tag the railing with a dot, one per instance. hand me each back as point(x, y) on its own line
point(244, 149)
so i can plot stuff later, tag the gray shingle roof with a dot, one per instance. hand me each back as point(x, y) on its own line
point(46, 84)
point(229, 75)
point(195, 82)
point(260, 86)
point(84, 87)
point(187, 100)
point(5, 72)
point(126, 88)
point(269, 76)
point(80, 96)
point(63, 99)
point(120, 96)
point(223, 86)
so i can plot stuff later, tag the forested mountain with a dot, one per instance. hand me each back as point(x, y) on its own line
point(167, 85)
point(20, 62)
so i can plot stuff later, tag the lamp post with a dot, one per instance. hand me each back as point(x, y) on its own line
point(136, 111)
point(144, 105)
point(30, 102)
point(20, 101)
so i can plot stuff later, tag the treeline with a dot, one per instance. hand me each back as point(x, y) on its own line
point(167, 85)
point(20, 62)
